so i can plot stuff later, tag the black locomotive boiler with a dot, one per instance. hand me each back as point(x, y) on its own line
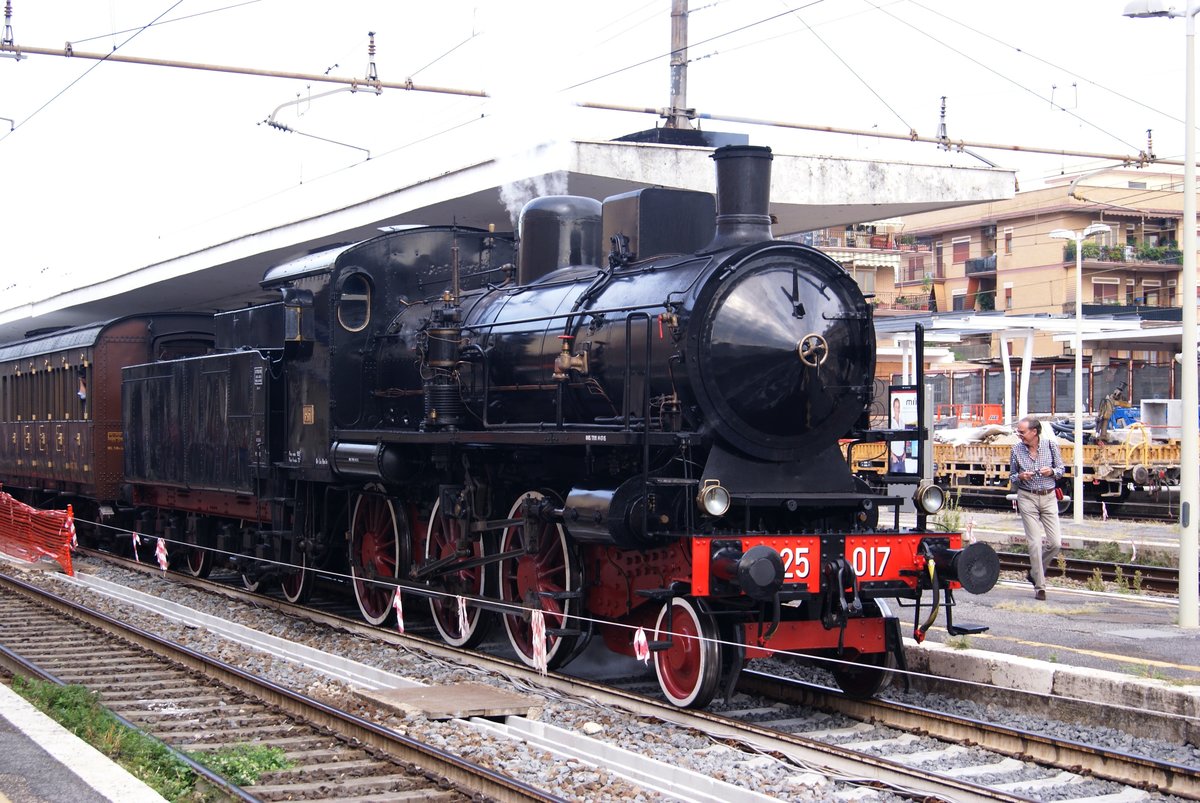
point(628, 425)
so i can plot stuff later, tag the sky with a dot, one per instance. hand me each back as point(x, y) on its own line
point(110, 166)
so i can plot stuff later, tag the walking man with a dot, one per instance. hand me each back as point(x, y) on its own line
point(1036, 468)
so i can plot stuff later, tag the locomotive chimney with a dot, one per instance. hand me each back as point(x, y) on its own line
point(743, 196)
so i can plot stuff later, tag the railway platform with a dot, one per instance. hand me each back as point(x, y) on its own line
point(1124, 649)
point(1127, 635)
point(1131, 634)
point(42, 762)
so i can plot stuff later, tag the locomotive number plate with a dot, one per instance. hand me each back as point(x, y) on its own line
point(801, 557)
point(881, 557)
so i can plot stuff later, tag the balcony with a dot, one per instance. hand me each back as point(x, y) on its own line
point(1135, 256)
point(981, 266)
point(902, 302)
point(1162, 310)
point(868, 242)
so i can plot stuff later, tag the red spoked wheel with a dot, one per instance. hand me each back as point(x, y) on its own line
point(869, 672)
point(378, 552)
point(297, 582)
point(866, 676)
point(441, 541)
point(689, 671)
point(197, 561)
point(541, 580)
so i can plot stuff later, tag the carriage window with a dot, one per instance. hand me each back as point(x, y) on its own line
point(81, 390)
point(354, 302)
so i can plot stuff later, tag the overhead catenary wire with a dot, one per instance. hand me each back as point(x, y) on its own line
point(360, 83)
point(159, 22)
point(998, 73)
point(6, 46)
point(1027, 54)
point(846, 64)
point(409, 86)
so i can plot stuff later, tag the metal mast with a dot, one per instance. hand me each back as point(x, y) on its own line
point(679, 116)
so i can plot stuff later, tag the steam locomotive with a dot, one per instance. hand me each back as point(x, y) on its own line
point(628, 424)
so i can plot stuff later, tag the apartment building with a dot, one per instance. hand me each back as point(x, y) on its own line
point(1001, 255)
point(999, 258)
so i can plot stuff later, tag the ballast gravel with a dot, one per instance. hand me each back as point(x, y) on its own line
point(568, 778)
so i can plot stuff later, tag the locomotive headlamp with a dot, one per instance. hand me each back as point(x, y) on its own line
point(929, 498)
point(713, 498)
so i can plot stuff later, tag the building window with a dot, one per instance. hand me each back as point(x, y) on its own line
point(1151, 292)
point(915, 270)
point(1008, 302)
point(1104, 291)
point(1008, 235)
point(962, 250)
point(959, 298)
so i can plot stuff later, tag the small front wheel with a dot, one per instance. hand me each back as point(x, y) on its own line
point(689, 671)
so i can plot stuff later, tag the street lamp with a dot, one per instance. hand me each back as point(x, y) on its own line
point(1077, 472)
point(1189, 456)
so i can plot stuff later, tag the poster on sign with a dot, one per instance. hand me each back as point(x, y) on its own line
point(902, 414)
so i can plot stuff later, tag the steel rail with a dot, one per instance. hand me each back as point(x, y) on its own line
point(1163, 579)
point(16, 665)
point(804, 752)
point(1113, 765)
point(466, 774)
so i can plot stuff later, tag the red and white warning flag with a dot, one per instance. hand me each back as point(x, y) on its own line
point(70, 525)
point(970, 531)
point(462, 616)
point(137, 542)
point(641, 646)
point(399, 606)
point(1103, 511)
point(538, 622)
point(160, 552)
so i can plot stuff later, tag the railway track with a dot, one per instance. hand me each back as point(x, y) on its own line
point(964, 757)
point(1163, 507)
point(1074, 761)
point(902, 746)
point(1160, 579)
point(195, 703)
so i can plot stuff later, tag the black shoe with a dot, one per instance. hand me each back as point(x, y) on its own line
point(1039, 594)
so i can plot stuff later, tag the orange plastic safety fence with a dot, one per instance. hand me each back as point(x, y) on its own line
point(31, 534)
